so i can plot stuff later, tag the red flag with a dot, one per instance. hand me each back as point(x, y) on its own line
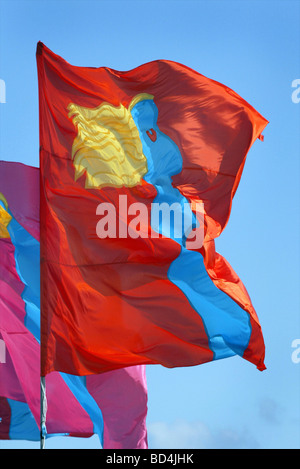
point(118, 288)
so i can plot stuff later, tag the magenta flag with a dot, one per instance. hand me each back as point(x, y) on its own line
point(112, 405)
point(19, 183)
point(119, 432)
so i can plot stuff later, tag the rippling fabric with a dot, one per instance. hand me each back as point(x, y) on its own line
point(116, 301)
point(73, 407)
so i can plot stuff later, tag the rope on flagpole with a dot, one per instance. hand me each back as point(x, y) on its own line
point(43, 413)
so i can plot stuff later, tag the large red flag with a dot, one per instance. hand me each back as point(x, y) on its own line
point(122, 286)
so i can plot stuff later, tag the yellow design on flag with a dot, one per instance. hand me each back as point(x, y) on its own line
point(108, 147)
point(5, 218)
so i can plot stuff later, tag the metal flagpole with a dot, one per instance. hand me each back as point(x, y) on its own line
point(43, 413)
point(42, 379)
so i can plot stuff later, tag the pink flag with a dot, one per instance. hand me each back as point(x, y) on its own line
point(73, 408)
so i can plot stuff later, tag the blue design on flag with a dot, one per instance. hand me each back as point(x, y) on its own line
point(227, 325)
point(22, 423)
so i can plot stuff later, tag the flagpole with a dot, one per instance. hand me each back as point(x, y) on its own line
point(43, 413)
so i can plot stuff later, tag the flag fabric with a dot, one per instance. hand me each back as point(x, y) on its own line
point(114, 405)
point(122, 284)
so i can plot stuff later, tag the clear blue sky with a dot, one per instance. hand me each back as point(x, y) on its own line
point(254, 48)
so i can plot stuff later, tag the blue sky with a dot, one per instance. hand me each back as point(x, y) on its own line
point(252, 47)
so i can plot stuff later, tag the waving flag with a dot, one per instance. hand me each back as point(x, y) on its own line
point(114, 405)
point(124, 282)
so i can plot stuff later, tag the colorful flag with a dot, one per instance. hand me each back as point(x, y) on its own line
point(114, 405)
point(138, 172)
